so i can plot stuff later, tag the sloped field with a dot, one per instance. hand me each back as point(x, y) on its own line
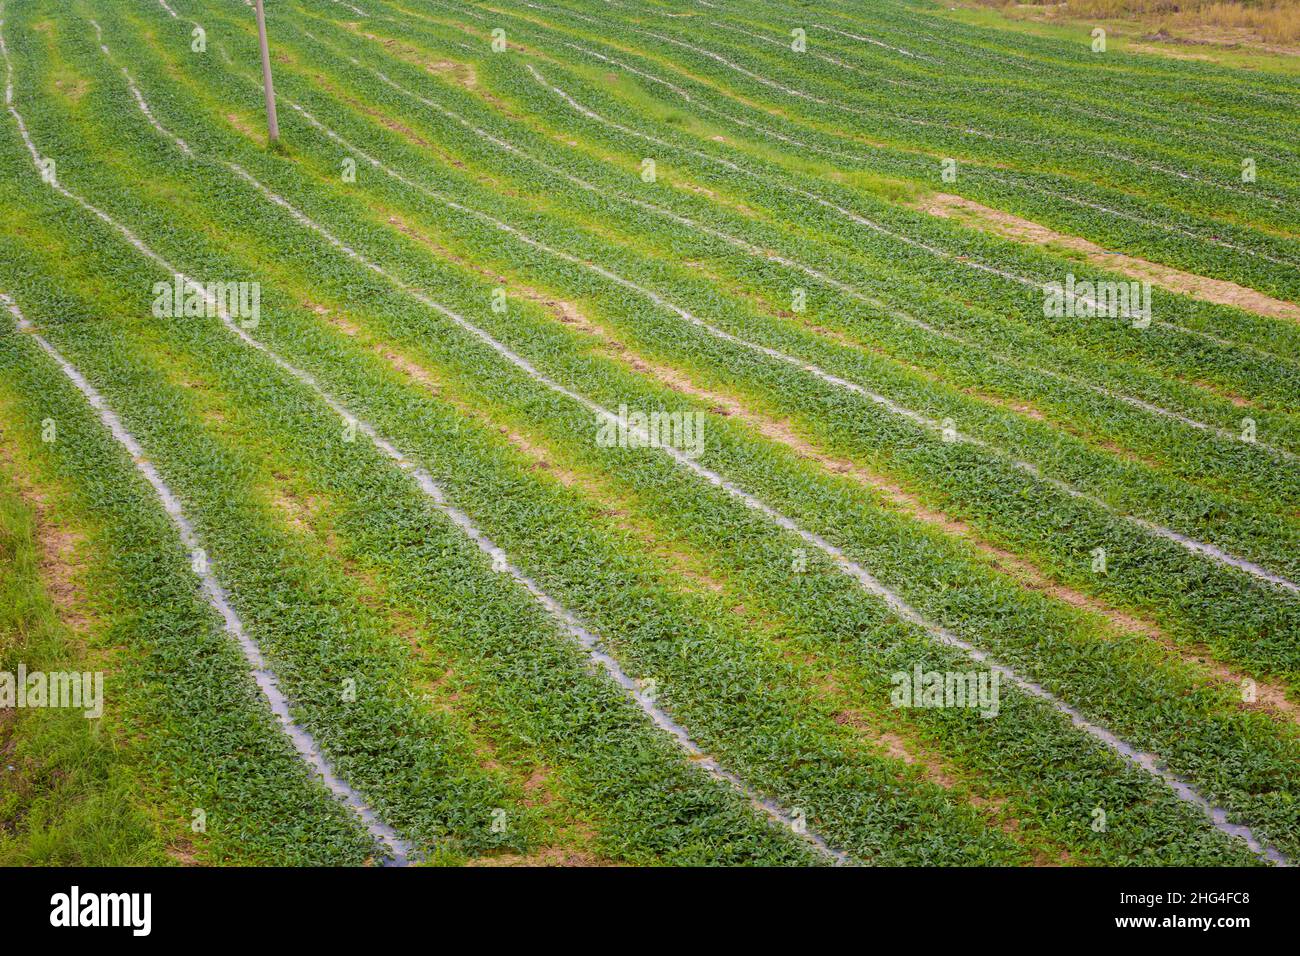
point(582, 440)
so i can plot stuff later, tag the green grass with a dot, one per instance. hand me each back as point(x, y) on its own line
point(70, 795)
point(474, 702)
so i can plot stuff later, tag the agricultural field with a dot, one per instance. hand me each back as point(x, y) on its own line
point(644, 432)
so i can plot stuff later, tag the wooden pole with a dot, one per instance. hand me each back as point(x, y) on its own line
point(272, 126)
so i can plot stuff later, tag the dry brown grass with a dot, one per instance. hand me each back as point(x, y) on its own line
point(1279, 23)
point(1235, 21)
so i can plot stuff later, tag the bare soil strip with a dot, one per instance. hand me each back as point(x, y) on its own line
point(1008, 226)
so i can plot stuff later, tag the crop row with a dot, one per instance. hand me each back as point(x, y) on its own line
point(349, 275)
point(1096, 210)
point(730, 683)
point(1079, 558)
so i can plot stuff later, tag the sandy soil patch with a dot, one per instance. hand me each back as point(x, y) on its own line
point(1220, 291)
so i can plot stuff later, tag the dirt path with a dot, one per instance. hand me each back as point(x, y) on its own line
point(1008, 226)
